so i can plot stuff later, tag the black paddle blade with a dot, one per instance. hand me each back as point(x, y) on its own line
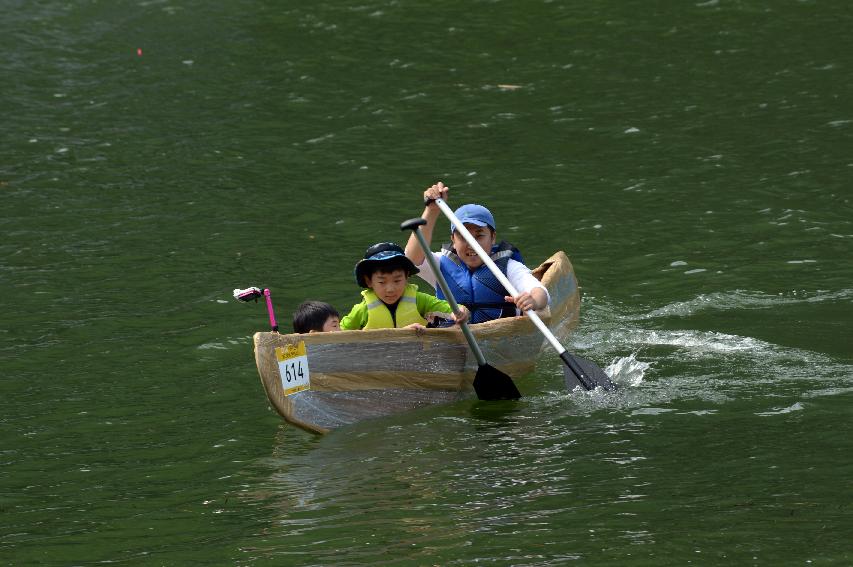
point(492, 384)
point(584, 373)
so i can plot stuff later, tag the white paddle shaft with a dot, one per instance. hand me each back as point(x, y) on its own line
point(469, 238)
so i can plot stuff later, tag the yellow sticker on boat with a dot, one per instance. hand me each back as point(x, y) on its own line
point(293, 368)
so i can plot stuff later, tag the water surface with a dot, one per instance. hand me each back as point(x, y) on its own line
point(692, 159)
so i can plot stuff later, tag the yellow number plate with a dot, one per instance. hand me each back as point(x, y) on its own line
point(293, 368)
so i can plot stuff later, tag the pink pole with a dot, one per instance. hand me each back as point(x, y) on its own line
point(273, 324)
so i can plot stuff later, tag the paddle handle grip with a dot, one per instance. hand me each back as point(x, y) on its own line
point(273, 323)
point(469, 238)
point(414, 225)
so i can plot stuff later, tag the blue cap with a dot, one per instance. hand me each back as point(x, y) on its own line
point(474, 214)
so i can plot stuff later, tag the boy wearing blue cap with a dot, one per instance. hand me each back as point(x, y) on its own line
point(390, 301)
point(469, 279)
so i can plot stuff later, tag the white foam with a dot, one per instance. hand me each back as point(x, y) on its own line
point(651, 411)
point(699, 341)
point(713, 368)
point(627, 370)
point(833, 391)
point(778, 411)
point(216, 346)
point(741, 299)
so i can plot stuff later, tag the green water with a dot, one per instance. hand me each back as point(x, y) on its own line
point(693, 159)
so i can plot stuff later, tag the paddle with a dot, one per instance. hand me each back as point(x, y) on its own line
point(578, 371)
point(489, 382)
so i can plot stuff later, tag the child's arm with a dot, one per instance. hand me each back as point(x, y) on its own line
point(532, 294)
point(429, 303)
point(414, 252)
point(356, 319)
point(464, 315)
point(534, 299)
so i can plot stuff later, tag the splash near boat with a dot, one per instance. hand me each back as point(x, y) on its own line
point(351, 376)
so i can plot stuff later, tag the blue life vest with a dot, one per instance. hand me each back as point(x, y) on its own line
point(479, 290)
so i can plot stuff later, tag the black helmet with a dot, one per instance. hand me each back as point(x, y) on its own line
point(387, 253)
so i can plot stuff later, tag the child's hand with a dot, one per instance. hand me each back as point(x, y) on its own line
point(525, 301)
point(437, 191)
point(415, 326)
point(463, 315)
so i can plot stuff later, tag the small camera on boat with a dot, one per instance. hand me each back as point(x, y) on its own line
point(248, 294)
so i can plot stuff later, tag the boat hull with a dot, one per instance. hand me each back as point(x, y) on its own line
point(357, 375)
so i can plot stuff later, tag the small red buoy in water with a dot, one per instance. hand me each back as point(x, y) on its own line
point(139, 51)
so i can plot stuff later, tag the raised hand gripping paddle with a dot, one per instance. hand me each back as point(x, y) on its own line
point(578, 371)
point(489, 382)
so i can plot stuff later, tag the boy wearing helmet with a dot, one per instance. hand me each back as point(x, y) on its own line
point(390, 301)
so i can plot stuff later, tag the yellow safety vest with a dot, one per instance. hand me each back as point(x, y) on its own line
point(379, 316)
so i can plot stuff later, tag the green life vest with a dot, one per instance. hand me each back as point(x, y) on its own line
point(379, 316)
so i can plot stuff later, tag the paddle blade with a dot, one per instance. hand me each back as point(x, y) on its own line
point(584, 373)
point(492, 384)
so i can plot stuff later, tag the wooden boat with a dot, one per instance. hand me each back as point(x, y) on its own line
point(321, 381)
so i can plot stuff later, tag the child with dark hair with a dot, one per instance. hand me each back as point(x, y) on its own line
point(316, 317)
point(390, 301)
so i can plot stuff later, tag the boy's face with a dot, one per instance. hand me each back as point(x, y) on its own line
point(332, 324)
point(388, 286)
point(484, 236)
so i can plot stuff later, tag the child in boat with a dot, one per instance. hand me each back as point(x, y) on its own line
point(469, 279)
point(316, 317)
point(390, 301)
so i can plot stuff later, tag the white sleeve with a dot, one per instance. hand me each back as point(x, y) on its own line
point(426, 272)
point(520, 277)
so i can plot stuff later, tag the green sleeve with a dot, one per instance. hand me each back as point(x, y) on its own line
point(356, 319)
point(429, 303)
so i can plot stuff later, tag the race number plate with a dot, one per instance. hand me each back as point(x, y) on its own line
point(293, 367)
